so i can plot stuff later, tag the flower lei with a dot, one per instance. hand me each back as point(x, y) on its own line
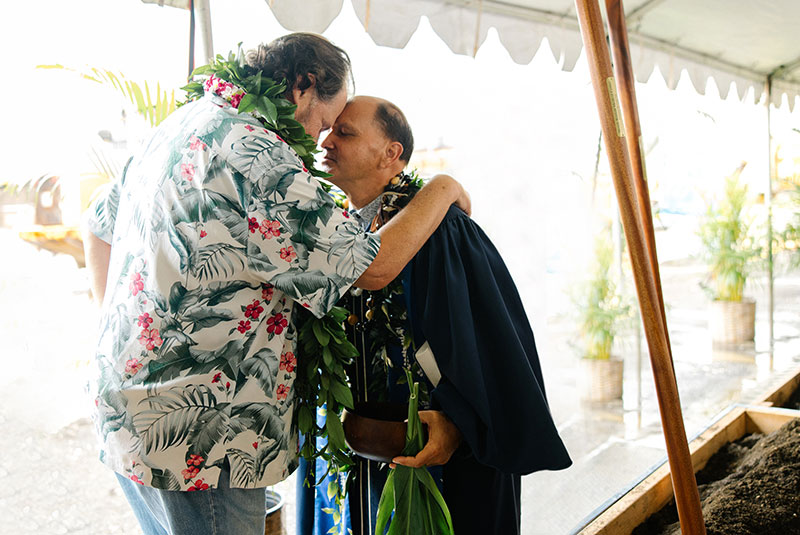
point(249, 92)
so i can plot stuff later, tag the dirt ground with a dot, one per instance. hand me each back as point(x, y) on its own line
point(751, 486)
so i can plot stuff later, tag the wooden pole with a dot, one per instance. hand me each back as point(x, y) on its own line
point(623, 69)
point(687, 497)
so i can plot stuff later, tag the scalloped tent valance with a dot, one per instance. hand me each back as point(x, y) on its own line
point(745, 42)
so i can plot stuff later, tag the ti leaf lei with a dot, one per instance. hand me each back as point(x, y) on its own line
point(250, 92)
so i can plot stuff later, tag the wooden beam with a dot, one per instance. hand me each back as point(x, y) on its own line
point(687, 497)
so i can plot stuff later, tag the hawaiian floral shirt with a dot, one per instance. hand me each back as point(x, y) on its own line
point(217, 230)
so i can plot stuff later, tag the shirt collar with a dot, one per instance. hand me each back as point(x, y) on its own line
point(366, 214)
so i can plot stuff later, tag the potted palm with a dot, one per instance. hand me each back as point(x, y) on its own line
point(601, 312)
point(729, 253)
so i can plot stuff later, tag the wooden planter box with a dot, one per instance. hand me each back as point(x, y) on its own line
point(777, 397)
point(655, 491)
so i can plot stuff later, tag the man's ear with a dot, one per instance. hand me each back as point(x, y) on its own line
point(304, 87)
point(391, 153)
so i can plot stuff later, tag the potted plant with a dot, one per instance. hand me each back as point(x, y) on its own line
point(729, 253)
point(601, 312)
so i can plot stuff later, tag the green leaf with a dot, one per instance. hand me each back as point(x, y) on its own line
point(305, 420)
point(335, 430)
point(425, 478)
point(327, 357)
point(342, 394)
point(248, 103)
point(268, 109)
point(332, 489)
point(386, 504)
point(322, 336)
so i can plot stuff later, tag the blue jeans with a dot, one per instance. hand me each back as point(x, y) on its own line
point(220, 511)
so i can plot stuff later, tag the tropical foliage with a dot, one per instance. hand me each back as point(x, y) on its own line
point(728, 249)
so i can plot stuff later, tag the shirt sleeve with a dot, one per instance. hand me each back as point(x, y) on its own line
point(102, 213)
point(298, 239)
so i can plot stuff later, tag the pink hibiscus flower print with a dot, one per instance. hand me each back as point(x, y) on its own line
point(187, 171)
point(276, 324)
point(203, 233)
point(137, 283)
point(269, 229)
point(282, 392)
point(236, 99)
point(195, 143)
point(150, 339)
point(253, 310)
point(145, 320)
point(252, 223)
point(288, 361)
point(136, 479)
point(249, 128)
point(190, 473)
point(133, 365)
point(266, 292)
point(288, 254)
point(198, 485)
point(244, 326)
point(216, 377)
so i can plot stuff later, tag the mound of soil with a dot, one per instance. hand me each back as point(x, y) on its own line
point(751, 486)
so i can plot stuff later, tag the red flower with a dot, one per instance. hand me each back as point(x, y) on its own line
point(195, 460)
point(276, 324)
point(288, 361)
point(270, 228)
point(249, 128)
point(145, 320)
point(150, 339)
point(304, 169)
point(279, 137)
point(253, 310)
point(244, 326)
point(253, 224)
point(306, 305)
point(203, 233)
point(236, 99)
point(288, 254)
point(195, 143)
point(282, 392)
point(137, 283)
point(133, 365)
point(266, 292)
point(346, 214)
point(216, 377)
point(255, 445)
point(228, 384)
point(190, 473)
point(198, 485)
point(187, 171)
point(136, 479)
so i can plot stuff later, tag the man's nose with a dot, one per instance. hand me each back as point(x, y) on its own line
point(327, 141)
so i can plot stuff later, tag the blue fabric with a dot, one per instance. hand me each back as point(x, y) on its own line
point(216, 511)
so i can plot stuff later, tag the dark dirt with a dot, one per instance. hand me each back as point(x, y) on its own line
point(749, 487)
point(794, 401)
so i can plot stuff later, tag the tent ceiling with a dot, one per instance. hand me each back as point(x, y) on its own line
point(741, 41)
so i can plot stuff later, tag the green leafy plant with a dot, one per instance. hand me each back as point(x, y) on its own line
point(791, 234)
point(601, 307)
point(728, 249)
point(411, 493)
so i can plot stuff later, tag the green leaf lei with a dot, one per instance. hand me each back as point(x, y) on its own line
point(250, 92)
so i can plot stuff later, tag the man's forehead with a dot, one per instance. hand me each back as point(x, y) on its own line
point(359, 113)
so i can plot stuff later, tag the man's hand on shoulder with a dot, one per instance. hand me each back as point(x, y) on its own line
point(443, 439)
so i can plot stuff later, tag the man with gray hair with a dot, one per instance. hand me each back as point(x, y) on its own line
point(198, 255)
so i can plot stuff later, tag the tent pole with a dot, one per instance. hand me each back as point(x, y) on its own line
point(204, 20)
point(768, 201)
point(633, 136)
point(687, 497)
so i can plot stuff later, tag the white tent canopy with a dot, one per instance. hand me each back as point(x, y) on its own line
point(740, 41)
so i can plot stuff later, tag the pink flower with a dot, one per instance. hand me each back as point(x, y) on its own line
point(187, 171)
point(346, 214)
point(195, 143)
point(253, 310)
point(304, 169)
point(145, 320)
point(266, 292)
point(133, 365)
point(136, 479)
point(244, 326)
point(282, 392)
point(252, 222)
point(269, 229)
point(236, 99)
point(137, 284)
point(276, 324)
point(288, 254)
point(249, 128)
point(198, 485)
point(203, 233)
point(216, 377)
point(150, 339)
point(190, 472)
point(194, 460)
point(279, 137)
point(288, 361)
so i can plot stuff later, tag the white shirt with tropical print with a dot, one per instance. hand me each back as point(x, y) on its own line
point(217, 230)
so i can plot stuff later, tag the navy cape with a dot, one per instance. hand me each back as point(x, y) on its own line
point(465, 304)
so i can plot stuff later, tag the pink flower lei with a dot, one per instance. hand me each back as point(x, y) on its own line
point(225, 90)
